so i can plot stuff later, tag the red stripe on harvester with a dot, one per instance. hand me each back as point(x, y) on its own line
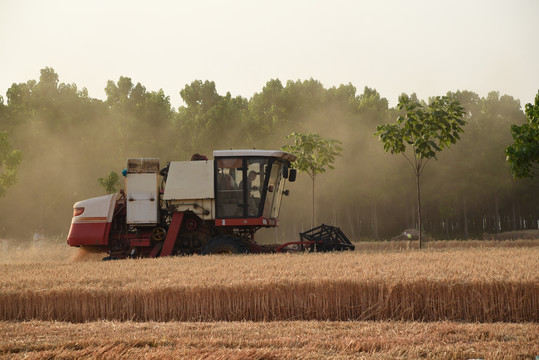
point(172, 234)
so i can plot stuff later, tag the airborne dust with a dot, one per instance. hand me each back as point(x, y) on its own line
point(371, 194)
point(47, 252)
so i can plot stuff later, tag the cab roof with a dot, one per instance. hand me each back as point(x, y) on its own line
point(251, 152)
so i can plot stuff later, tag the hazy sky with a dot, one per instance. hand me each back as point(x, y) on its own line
point(423, 46)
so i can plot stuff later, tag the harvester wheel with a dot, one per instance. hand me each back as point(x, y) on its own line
point(224, 244)
point(159, 234)
point(191, 224)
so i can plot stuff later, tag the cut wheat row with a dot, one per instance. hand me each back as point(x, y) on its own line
point(268, 340)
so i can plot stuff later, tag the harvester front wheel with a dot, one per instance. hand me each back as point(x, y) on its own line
point(224, 244)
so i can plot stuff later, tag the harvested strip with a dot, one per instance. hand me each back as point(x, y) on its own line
point(273, 340)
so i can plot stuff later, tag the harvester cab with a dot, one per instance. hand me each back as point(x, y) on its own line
point(204, 206)
point(237, 188)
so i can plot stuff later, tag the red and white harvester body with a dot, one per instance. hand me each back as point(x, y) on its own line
point(188, 207)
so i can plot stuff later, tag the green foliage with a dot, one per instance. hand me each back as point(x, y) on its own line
point(372, 106)
point(110, 182)
point(427, 129)
point(523, 155)
point(9, 161)
point(58, 126)
point(209, 121)
point(140, 118)
point(313, 153)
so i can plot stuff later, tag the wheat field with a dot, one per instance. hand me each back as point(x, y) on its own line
point(268, 340)
point(467, 285)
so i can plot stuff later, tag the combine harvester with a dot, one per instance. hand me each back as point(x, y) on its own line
point(196, 207)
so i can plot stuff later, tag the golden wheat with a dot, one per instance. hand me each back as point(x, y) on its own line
point(262, 340)
point(484, 285)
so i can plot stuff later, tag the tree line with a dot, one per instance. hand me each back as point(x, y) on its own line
point(68, 140)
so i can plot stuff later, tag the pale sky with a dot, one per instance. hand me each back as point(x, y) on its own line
point(423, 46)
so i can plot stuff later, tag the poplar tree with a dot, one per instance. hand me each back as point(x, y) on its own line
point(313, 155)
point(523, 155)
point(425, 128)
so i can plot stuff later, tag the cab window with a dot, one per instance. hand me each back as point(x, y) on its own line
point(228, 195)
point(240, 184)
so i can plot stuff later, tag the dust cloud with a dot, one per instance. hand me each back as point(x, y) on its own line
point(370, 194)
point(11, 252)
point(84, 254)
point(346, 196)
point(60, 167)
point(62, 162)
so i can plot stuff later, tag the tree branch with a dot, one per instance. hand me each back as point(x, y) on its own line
point(410, 161)
point(423, 167)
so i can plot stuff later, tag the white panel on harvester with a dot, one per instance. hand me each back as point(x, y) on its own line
point(189, 180)
point(142, 191)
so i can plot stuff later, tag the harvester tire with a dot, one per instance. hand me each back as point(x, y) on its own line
point(224, 244)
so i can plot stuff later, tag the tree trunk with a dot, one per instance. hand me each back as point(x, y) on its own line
point(514, 211)
point(350, 223)
point(419, 211)
point(497, 227)
point(312, 220)
point(465, 221)
point(413, 211)
point(358, 226)
point(374, 221)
